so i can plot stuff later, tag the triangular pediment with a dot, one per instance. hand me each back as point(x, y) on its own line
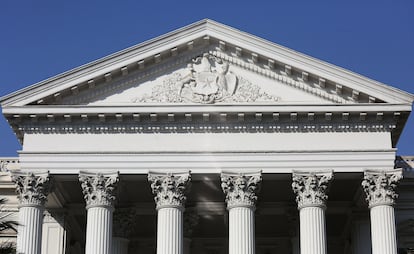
point(206, 63)
point(210, 77)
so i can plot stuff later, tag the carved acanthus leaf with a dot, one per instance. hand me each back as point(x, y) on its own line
point(311, 188)
point(191, 219)
point(241, 189)
point(123, 222)
point(380, 186)
point(32, 188)
point(98, 188)
point(169, 189)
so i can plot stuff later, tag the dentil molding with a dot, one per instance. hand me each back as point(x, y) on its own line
point(380, 186)
point(311, 188)
point(99, 188)
point(169, 189)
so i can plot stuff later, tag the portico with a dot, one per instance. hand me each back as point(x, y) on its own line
point(209, 141)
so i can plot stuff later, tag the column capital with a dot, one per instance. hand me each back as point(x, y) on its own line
point(123, 220)
point(380, 185)
point(32, 187)
point(241, 189)
point(190, 221)
point(169, 189)
point(311, 188)
point(98, 188)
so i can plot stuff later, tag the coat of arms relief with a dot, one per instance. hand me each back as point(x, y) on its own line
point(206, 80)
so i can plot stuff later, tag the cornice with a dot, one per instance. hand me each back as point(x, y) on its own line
point(185, 39)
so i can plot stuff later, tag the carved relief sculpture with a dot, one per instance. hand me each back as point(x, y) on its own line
point(169, 189)
point(206, 80)
point(32, 188)
point(311, 188)
point(98, 188)
point(241, 189)
point(380, 186)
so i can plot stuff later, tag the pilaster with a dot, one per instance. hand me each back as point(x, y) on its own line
point(122, 227)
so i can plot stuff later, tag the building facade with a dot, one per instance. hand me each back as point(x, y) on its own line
point(209, 140)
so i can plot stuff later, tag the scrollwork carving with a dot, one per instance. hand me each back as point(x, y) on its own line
point(98, 188)
point(311, 188)
point(32, 188)
point(380, 186)
point(169, 189)
point(241, 189)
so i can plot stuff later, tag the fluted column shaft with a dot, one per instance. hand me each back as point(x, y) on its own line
point(383, 233)
point(123, 224)
point(30, 230)
point(170, 231)
point(119, 245)
point(98, 190)
point(241, 230)
point(311, 195)
point(99, 230)
point(241, 195)
point(312, 230)
point(32, 189)
point(169, 195)
point(379, 187)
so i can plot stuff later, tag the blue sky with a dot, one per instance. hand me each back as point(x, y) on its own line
point(39, 39)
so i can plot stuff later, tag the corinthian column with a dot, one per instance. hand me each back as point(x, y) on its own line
point(241, 195)
point(311, 195)
point(98, 190)
point(32, 190)
point(169, 191)
point(122, 227)
point(379, 187)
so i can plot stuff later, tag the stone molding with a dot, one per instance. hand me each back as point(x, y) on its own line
point(311, 188)
point(380, 186)
point(98, 188)
point(169, 189)
point(241, 189)
point(32, 187)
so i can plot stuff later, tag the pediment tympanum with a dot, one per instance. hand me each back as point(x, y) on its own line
point(204, 78)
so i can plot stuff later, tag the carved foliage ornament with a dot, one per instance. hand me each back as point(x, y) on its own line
point(311, 188)
point(32, 188)
point(241, 189)
point(169, 189)
point(206, 80)
point(379, 186)
point(123, 222)
point(190, 221)
point(98, 189)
